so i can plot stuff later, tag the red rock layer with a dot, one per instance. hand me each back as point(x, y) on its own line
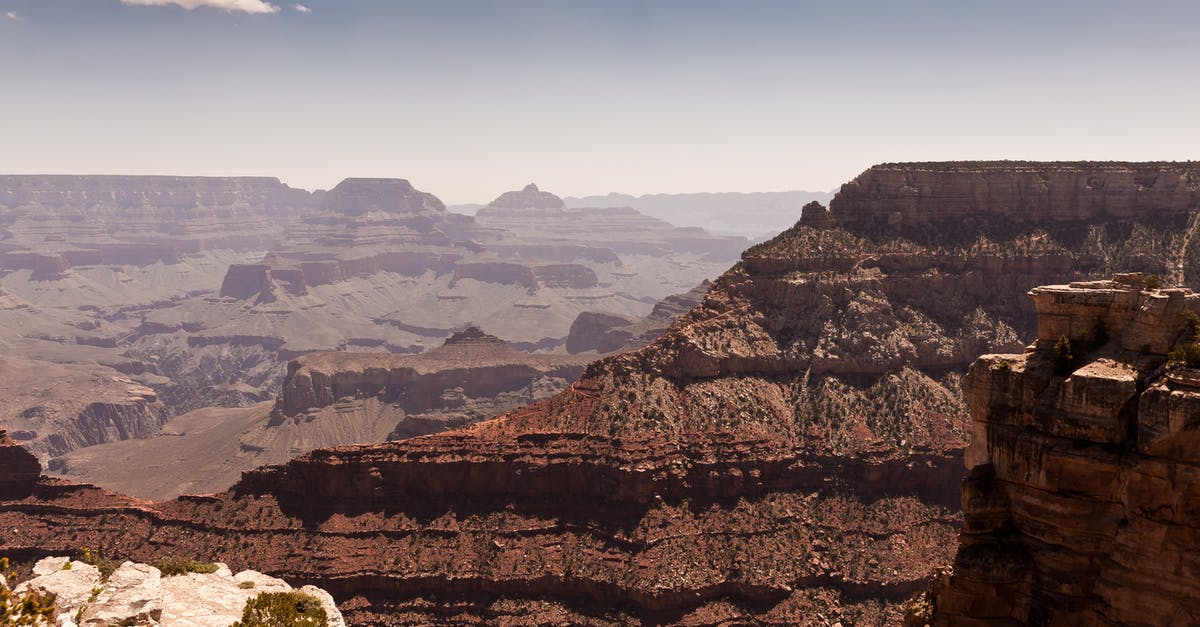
point(1080, 505)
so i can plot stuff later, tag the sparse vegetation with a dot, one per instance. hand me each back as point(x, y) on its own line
point(1186, 351)
point(105, 565)
point(24, 610)
point(246, 585)
point(283, 609)
point(1186, 354)
point(174, 566)
point(1152, 282)
point(1064, 357)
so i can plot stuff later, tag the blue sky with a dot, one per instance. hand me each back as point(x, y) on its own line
point(471, 98)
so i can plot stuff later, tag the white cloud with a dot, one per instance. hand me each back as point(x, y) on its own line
point(301, 8)
point(10, 16)
point(245, 6)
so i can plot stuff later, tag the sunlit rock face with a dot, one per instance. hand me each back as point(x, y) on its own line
point(1081, 468)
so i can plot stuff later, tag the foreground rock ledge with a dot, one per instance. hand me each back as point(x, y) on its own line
point(139, 594)
point(1081, 503)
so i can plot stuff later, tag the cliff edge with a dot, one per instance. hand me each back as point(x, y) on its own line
point(1080, 506)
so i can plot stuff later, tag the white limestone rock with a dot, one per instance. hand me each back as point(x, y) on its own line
point(138, 594)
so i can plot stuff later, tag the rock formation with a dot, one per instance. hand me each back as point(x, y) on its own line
point(19, 469)
point(606, 332)
point(141, 594)
point(756, 215)
point(530, 197)
point(1078, 507)
point(328, 399)
point(355, 196)
point(125, 301)
point(905, 197)
point(540, 217)
point(791, 448)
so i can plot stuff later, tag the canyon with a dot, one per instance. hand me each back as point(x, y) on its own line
point(789, 451)
point(128, 302)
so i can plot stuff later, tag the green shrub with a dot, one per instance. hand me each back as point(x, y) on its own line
point(173, 566)
point(283, 609)
point(246, 585)
point(1186, 354)
point(1064, 358)
point(26, 610)
point(1190, 329)
point(105, 565)
point(1152, 282)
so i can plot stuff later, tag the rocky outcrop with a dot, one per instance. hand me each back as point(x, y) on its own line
point(530, 197)
point(904, 197)
point(1077, 508)
point(54, 409)
point(19, 469)
point(599, 331)
point(606, 332)
point(141, 594)
point(497, 272)
point(471, 377)
point(566, 275)
point(356, 196)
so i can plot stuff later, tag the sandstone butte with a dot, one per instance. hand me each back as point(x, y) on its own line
point(1080, 505)
point(789, 452)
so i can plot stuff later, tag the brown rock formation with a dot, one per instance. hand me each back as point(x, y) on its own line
point(1078, 504)
point(19, 469)
point(472, 376)
point(901, 197)
point(606, 332)
point(328, 399)
point(530, 197)
point(356, 196)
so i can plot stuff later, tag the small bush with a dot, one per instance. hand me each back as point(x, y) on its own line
point(1190, 329)
point(174, 566)
point(1186, 354)
point(105, 565)
point(1064, 358)
point(283, 609)
point(27, 610)
point(246, 585)
point(1152, 282)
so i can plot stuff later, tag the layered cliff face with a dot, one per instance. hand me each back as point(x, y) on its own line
point(356, 196)
point(327, 399)
point(905, 197)
point(788, 452)
point(606, 332)
point(471, 377)
point(1078, 508)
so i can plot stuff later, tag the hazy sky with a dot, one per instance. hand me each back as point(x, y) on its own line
point(471, 98)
